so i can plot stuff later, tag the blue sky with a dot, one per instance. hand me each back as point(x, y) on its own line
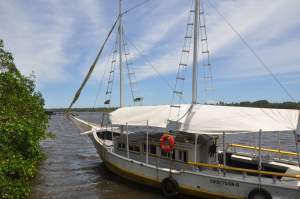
point(59, 39)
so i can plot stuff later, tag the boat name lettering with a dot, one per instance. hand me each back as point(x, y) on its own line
point(224, 182)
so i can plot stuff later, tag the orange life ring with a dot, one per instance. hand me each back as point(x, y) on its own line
point(167, 143)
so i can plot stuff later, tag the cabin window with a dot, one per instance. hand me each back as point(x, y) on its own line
point(152, 149)
point(130, 148)
point(144, 148)
point(100, 135)
point(121, 146)
point(137, 148)
point(168, 155)
point(164, 154)
point(182, 155)
point(134, 148)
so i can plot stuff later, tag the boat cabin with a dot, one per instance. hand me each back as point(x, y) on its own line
point(183, 152)
point(134, 146)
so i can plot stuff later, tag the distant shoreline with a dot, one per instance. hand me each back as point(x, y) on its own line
point(255, 104)
point(264, 104)
point(51, 111)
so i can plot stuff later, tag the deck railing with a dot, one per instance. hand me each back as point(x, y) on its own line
point(263, 149)
point(252, 171)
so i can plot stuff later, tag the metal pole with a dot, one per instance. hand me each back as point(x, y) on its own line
point(120, 33)
point(224, 153)
point(279, 145)
point(255, 140)
point(112, 136)
point(195, 158)
point(259, 155)
point(127, 141)
point(105, 136)
point(217, 154)
point(297, 150)
point(147, 143)
point(195, 54)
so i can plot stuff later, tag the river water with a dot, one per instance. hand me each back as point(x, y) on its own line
point(73, 169)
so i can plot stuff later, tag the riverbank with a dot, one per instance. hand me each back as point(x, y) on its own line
point(23, 124)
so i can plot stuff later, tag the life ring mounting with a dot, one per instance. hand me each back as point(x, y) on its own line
point(167, 142)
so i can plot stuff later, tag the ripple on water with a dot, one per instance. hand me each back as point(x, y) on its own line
point(73, 169)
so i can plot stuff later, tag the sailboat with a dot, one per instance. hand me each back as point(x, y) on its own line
point(176, 147)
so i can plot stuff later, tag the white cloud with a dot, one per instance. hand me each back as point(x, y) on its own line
point(59, 41)
point(156, 27)
point(40, 36)
point(260, 26)
point(269, 36)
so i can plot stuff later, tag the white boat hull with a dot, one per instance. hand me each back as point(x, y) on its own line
point(209, 183)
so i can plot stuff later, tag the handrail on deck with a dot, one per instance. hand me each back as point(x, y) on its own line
point(228, 168)
point(263, 149)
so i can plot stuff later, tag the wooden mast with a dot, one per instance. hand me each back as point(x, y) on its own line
point(195, 52)
point(120, 33)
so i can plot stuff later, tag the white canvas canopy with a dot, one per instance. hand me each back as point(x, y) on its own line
point(209, 119)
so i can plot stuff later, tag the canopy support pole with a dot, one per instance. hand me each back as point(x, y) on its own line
point(297, 150)
point(255, 141)
point(147, 143)
point(127, 141)
point(224, 153)
point(259, 157)
point(112, 136)
point(279, 145)
point(196, 140)
point(217, 149)
point(105, 134)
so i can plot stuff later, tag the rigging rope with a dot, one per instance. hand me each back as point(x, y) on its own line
point(150, 64)
point(102, 77)
point(252, 51)
point(131, 75)
point(98, 55)
point(136, 6)
point(92, 67)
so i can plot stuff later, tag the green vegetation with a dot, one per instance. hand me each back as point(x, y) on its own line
point(256, 104)
point(265, 104)
point(23, 124)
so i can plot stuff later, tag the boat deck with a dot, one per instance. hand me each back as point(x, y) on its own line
point(237, 160)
